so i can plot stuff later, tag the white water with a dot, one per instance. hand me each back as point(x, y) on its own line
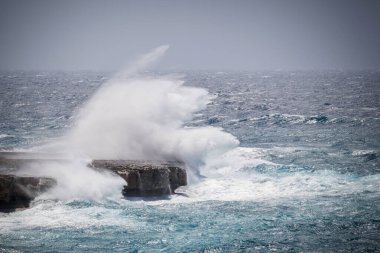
point(133, 116)
point(243, 174)
point(75, 180)
point(140, 117)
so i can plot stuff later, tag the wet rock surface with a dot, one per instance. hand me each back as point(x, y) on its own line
point(143, 178)
point(17, 192)
point(146, 178)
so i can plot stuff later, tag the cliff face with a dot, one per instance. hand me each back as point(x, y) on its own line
point(143, 178)
point(18, 192)
point(146, 178)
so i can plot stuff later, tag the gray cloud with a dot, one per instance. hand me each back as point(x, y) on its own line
point(210, 34)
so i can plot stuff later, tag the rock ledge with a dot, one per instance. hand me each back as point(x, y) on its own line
point(143, 178)
point(17, 192)
point(146, 178)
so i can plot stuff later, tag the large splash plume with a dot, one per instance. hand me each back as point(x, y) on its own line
point(134, 116)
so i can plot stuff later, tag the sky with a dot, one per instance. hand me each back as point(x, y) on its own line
point(202, 34)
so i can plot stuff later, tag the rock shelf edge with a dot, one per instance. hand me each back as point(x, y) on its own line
point(143, 178)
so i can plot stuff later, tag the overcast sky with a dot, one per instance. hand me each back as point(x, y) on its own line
point(204, 34)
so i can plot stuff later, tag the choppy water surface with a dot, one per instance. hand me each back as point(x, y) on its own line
point(304, 178)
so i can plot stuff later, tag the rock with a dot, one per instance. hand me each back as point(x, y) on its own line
point(146, 178)
point(18, 192)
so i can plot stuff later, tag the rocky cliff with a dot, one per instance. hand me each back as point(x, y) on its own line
point(17, 192)
point(146, 178)
point(143, 178)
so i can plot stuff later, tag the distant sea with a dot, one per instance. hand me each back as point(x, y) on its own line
point(305, 177)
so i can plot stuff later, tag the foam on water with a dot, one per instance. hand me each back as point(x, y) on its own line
point(133, 116)
point(320, 192)
point(242, 174)
point(69, 214)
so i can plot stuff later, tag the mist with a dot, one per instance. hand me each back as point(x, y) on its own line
point(222, 35)
point(135, 116)
point(132, 116)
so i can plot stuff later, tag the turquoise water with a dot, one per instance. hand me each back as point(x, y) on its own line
point(305, 176)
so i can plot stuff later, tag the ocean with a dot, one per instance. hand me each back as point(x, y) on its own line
point(277, 160)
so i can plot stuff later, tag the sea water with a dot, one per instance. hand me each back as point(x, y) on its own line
point(299, 170)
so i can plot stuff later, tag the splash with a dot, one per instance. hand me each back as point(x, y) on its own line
point(141, 117)
point(143, 62)
point(245, 174)
point(137, 117)
point(75, 180)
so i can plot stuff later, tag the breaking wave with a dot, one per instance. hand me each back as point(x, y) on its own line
point(140, 117)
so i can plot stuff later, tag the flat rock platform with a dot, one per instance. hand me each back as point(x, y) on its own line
point(143, 178)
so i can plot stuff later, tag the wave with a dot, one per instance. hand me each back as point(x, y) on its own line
point(279, 119)
point(142, 117)
point(245, 174)
point(133, 117)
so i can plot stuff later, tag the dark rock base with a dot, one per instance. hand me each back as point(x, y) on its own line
point(146, 178)
point(143, 178)
point(17, 192)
